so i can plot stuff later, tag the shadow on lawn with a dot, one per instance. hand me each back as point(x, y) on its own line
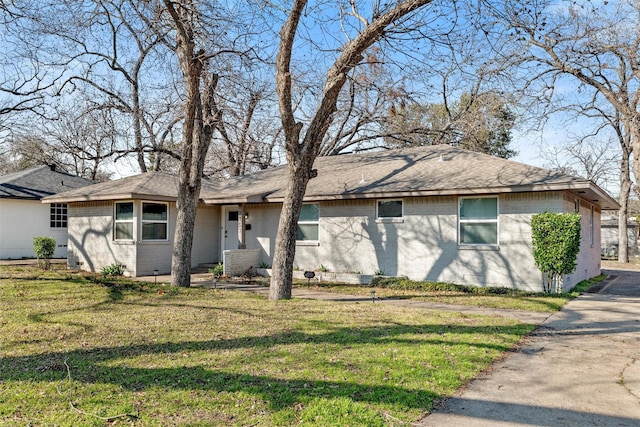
point(88, 365)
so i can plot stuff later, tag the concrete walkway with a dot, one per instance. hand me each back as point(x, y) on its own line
point(580, 368)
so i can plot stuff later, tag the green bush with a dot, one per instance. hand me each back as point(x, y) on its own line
point(218, 270)
point(115, 269)
point(44, 247)
point(556, 243)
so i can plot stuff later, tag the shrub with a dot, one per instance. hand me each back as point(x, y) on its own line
point(556, 243)
point(44, 247)
point(218, 270)
point(115, 269)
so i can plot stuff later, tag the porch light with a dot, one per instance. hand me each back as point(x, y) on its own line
point(246, 215)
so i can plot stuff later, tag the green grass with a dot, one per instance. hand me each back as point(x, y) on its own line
point(79, 350)
point(447, 293)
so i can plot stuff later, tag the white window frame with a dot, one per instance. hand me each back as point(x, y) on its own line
point(58, 209)
point(479, 221)
point(154, 221)
point(315, 222)
point(117, 221)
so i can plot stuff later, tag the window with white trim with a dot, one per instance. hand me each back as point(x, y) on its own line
point(389, 209)
point(478, 221)
point(123, 221)
point(58, 215)
point(155, 221)
point(308, 223)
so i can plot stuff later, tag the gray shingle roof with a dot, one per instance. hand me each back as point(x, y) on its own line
point(420, 171)
point(38, 182)
point(150, 185)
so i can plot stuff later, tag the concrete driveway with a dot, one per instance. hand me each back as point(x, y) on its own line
point(580, 368)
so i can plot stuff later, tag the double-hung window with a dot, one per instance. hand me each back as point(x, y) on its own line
point(154, 221)
point(478, 221)
point(58, 215)
point(123, 221)
point(308, 222)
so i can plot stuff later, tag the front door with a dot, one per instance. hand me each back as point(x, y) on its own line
point(229, 227)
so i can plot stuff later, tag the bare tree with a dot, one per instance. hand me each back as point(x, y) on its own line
point(302, 148)
point(204, 60)
point(587, 156)
point(111, 51)
point(577, 54)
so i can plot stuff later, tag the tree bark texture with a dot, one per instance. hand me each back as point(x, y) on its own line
point(198, 126)
point(302, 152)
point(623, 212)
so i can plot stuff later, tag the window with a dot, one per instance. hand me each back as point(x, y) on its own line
point(478, 221)
point(154, 221)
point(308, 222)
point(389, 209)
point(124, 221)
point(58, 215)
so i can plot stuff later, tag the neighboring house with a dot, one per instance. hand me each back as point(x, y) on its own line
point(429, 213)
point(23, 216)
point(609, 236)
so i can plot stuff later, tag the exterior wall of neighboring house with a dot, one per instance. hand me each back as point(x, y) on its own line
point(20, 222)
point(423, 243)
point(93, 247)
point(609, 236)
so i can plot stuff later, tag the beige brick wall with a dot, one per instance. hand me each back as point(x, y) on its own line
point(423, 245)
point(91, 246)
point(238, 261)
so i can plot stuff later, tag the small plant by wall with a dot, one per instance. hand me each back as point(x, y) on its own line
point(44, 247)
point(556, 243)
point(217, 271)
point(113, 270)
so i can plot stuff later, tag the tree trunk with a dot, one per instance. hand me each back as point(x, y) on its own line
point(625, 190)
point(186, 204)
point(285, 247)
point(197, 131)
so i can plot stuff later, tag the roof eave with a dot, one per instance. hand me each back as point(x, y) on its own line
point(108, 197)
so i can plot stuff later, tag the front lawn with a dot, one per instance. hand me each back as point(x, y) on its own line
point(74, 351)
